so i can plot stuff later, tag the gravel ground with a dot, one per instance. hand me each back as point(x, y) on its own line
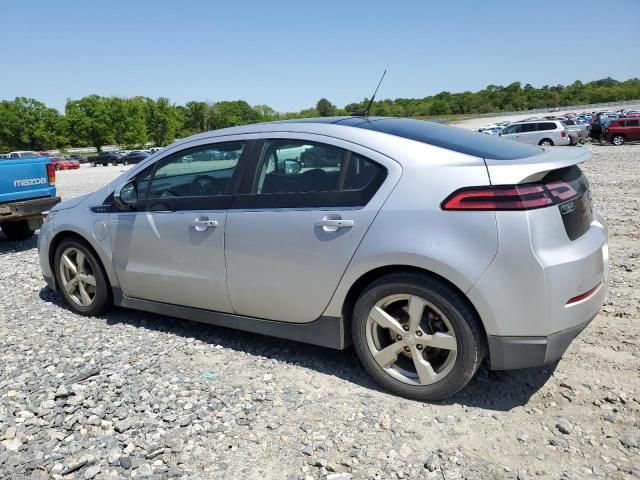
point(138, 395)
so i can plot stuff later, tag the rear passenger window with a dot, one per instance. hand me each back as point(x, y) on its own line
point(633, 123)
point(543, 126)
point(303, 167)
point(528, 127)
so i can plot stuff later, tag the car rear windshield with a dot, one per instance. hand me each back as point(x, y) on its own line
point(451, 138)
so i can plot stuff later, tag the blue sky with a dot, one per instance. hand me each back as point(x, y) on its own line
point(288, 54)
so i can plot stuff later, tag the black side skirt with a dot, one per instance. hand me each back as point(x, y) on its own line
point(331, 332)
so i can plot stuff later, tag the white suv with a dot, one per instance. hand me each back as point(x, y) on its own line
point(538, 132)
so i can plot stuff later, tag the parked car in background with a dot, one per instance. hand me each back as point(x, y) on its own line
point(61, 163)
point(516, 263)
point(78, 158)
point(27, 192)
point(622, 130)
point(155, 149)
point(23, 154)
point(537, 132)
point(134, 156)
point(578, 132)
point(105, 158)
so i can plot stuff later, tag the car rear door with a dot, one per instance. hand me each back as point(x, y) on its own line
point(303, 209)
point(170, 248)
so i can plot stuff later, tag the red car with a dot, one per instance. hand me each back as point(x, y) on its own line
point(61, 163)
point(622, 130)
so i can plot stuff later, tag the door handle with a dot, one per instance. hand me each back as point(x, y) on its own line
point(333, 224)
point(203, 223)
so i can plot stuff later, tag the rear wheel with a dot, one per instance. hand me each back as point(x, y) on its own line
point(81, 278)
point(114, 163)
point(617, 140)
point(417, 336)
point(18, 230)
point(545, 142)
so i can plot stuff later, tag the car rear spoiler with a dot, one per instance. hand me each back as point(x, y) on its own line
point(532, 169)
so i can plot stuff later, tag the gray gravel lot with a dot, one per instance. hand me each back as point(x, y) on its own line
point(138, 395)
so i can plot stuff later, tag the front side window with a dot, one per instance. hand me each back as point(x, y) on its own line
point(305, 167)
point(198, 172)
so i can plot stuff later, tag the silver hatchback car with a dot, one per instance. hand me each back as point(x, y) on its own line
point(428, 247)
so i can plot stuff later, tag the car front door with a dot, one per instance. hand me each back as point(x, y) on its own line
point(512, 132)
point(301, 214)
point(170, 247)
point(633, 129)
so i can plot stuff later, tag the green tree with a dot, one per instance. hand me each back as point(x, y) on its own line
point(325, 108)
point(89, 121)
point(161, 119)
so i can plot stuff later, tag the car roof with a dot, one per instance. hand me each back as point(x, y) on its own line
point(353, 128)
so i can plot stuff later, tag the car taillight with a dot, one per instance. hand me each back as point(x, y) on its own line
point(51, 173)
point(563, 133)
point(510, 197)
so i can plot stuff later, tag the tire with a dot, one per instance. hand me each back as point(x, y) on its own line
point(99, 295)
point(57, 167)
point(115, 164)
point(463, 325)
point(16, 231)
point(94, 164)
point(617, 140)
point(545, 142)
point(126, 162)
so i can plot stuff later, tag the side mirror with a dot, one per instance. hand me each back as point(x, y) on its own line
point(126, 196)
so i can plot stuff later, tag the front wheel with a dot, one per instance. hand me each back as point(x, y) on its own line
point(81, 279)
point(617, 140)
point(18, 230)
point(417, 336)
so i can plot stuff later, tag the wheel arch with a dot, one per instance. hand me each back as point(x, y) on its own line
point(371, 276)
point(70, 234)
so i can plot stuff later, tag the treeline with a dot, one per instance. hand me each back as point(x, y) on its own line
point(28, 124)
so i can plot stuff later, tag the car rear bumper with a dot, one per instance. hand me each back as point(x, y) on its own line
point(27, 209)
point(509, 353)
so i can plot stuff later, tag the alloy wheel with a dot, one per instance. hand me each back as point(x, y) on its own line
point(411, 339)
point(78, 278)
point(618, 140)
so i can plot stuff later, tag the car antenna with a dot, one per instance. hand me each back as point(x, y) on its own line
point(365, 112)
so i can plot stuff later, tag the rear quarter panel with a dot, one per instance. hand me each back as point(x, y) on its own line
point(412, 230)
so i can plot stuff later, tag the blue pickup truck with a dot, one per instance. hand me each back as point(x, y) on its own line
point(27, 192)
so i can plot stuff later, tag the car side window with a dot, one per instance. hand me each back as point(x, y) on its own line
point(633, 123)
point(197, 172)
point(546, 126)
point(304, 167)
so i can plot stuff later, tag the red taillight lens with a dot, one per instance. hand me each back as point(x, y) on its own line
point(51, 173)
point(510, 197)
point(563, 133)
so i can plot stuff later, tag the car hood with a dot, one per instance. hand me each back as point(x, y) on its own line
point(71, 203)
